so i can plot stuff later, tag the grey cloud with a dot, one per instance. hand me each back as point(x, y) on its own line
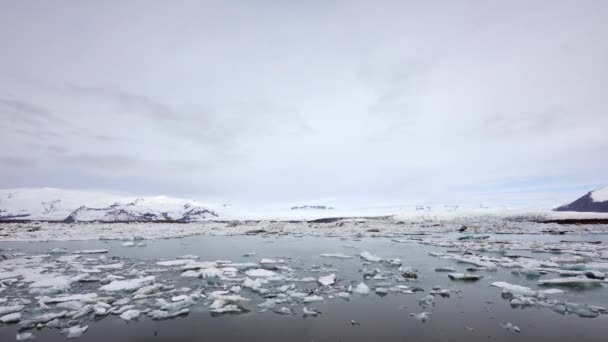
point(126, 102)
point(26, 112)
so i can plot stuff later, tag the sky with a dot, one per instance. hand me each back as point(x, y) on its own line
point(265, 101)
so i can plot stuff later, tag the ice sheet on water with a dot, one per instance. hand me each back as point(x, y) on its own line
point(427, 301)
point(10, 309)
point(75, 331)
point(14, 317)
point(25, 335)
point(336, 255)
point(367, 256)
point(313, 298)
point(128, 285)
point(310, 311)
point(510, 326)
point(70, 298)
point(361, 289)
point(231, 308)
point(91, 251)
point(130, 314)
point(162, 314)
point(423, 316)
point(571, 281)
point(177, 262)
point(464, 276)
point(260, 273)
point(327, 280)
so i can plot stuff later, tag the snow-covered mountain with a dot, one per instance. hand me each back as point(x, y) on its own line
point(594, 201)
point(82, 206)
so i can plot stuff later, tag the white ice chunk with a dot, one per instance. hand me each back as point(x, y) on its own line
point(130, 314)
point(75, 331)
point(161, 314)
point(336, 255)
point(313, 298)
point(423, 316)
point(10, 309)
point(361, 289)
point(464, 276)
point(11, 318)
point(91, 251)
point(178, 262)
point(367, 256)
point(128, 285)
point(571, 281)
point(26, 335)
point(327, 280)
point(260, 273)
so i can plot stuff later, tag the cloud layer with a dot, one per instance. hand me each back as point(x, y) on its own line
point(266, 101)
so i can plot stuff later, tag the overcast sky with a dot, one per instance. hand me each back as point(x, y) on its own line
point(258, 101)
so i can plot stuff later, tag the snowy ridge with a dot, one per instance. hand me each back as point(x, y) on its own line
point(82, 206)
point(594, 201)
point(600, 195)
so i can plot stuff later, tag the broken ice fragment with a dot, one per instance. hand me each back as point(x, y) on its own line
point(26, 335)
point(336, 255)
point(128, 285)
point(445, 269)
point(11, 318)
point(464, 276)
point(226, 309)
point(260, 273)
point(510, 326)
point(427, 301)
point(310, 312)
point(10, 309)
point(367, 256)
point(130, 314)
point(327, 280)
point(91, 251)
point(423, 316)
point(161, 314)
point(75, 331)
point(571, 281)
point(361, 289)
point(313, 298)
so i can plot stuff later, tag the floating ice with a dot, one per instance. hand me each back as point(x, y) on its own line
point(32, 322)
point(227, 309)
point(260, 273)
point(129, 244)
point(327, 280)
point(25, 335)
point(128, 285)
point(161, 314)
point(178, 262)
point(130, 314)
point(75, 331)
point(268, 304)
point(571, 281)
point(427, 301)
point(423, 316)
point(361, 289)
point(310, 312)
point(511, 288)
point(91, 251)
point(367, 256)
point(464, 276)
point(10, 309)
point(510, 326)
point(336, 255)
point(445, 269)
point(11, 318)
point(313, 298)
